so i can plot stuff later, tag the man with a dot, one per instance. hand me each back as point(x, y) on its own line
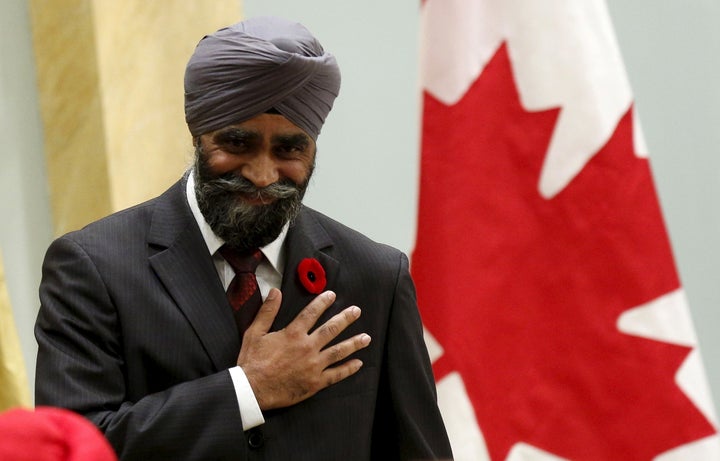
point(136, 330)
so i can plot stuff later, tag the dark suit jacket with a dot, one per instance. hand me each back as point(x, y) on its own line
point(135, 332)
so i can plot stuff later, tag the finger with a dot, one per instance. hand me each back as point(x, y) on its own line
point(266, 315)
point(312, 312)
point(333, 375)
point(335, 325)
point(343, 349)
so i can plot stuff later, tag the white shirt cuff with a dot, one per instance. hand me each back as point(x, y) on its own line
point(250, 412)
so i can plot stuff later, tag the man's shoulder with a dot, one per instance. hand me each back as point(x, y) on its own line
point(131, 220)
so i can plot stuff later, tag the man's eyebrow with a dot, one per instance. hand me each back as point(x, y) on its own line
point(234, 134)
point(298, 139)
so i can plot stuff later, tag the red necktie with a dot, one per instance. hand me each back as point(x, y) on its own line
point(243, 291)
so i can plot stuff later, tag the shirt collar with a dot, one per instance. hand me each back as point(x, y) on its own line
point(273, 251)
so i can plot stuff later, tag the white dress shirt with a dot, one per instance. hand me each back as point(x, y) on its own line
point(269, 275)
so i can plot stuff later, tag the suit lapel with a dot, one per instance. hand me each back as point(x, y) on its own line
point(307, 238)
point(180, 258)
point(185, 267)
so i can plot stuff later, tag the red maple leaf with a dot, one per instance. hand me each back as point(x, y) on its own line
point(524, 293)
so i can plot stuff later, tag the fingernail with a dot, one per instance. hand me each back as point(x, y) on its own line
point(355, 311)
point(272, 294)
point(365, 339)
point(330, 295)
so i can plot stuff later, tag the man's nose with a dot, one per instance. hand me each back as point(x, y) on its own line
point(261, 169)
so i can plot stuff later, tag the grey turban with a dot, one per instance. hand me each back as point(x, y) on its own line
point(256, 65)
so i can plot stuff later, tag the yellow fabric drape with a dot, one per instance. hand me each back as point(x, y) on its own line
point(14, 390)
point(110, 79)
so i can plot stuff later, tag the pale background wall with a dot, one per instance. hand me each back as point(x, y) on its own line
point(367, 164)
point(25, 223)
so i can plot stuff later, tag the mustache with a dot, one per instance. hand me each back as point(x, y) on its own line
point(233, 184)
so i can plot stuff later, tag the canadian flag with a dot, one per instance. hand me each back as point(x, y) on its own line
point(555, 316)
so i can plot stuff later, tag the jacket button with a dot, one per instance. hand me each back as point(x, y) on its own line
point(255, 439)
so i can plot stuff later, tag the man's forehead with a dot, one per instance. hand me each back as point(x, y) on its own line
point(274, 125)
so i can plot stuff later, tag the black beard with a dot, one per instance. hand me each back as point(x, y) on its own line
point(239, 224)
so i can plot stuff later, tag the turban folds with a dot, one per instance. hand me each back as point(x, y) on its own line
point(264, 63)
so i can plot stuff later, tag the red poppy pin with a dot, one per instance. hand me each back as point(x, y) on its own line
point(312, 275)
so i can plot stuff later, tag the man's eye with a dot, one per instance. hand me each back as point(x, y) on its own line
point(236, 143)
point(289, 150)
point(232, 141)
point(235, 146)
